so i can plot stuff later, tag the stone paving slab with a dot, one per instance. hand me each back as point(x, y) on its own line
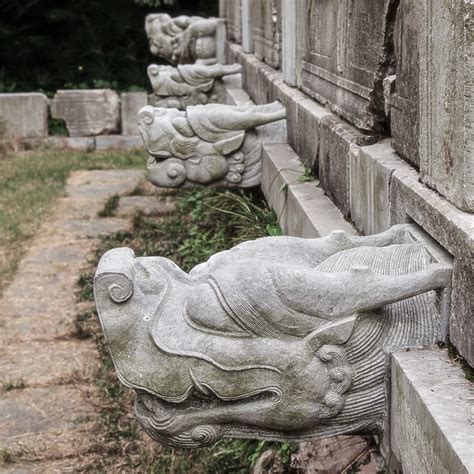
point(46, 408)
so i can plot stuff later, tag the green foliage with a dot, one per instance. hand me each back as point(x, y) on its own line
point(110, 206)
point(53, 44)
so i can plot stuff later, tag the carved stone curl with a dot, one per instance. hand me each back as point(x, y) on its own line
point(189, 84)
point(279, 338)
point(184, 39)
point(206, 144)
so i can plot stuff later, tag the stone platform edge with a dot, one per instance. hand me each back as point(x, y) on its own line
point(368, 182)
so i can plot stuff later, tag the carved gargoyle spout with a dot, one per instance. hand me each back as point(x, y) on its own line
point(206, 144)
point(279, 338)
point(189, 84)
point(184, 39)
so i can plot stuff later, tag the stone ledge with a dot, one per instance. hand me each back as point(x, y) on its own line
point(432, 425)
point(101, 142)
point(302, 208)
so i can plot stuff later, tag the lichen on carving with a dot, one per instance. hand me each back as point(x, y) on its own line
point(279, 338)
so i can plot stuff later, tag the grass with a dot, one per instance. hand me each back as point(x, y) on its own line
point(110, 206)
point(205, 222)
point(30, 182)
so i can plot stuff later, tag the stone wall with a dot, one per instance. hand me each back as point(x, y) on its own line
point(382, 113)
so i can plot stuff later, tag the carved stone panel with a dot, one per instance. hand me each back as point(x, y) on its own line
point(206, 144)
point(279, 338)
point(87, 112)
point(346, 55)
point(446, 100)
point(404, 103)
point(266, 30)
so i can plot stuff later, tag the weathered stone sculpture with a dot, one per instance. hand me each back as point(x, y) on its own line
point(279, 338)
point(186, 39)
point(206, 144)
point(189, 84)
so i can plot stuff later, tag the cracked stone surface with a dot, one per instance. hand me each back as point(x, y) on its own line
point(47, 390)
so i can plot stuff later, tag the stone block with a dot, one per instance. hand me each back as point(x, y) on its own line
point(266, 30)
point(119, 142)
point(131, 103)
point(67, 143)
point(334, 158)
point(404, 102)
point(87, 112)
point(345, 56)
point(371, 170)
point(431, 414)
point(24, 115)
point(129, 206)
point(453, 229)
point(446, 100)
point(302, 208)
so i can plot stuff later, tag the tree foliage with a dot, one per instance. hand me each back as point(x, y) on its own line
point(50, 44)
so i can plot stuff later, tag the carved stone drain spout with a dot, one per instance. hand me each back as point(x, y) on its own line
point(280, 338)
point(189, 84)
point(206, 144)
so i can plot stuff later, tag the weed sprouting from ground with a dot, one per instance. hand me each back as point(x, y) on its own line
point(205, 222)
point(110, 206)
point(13, 385)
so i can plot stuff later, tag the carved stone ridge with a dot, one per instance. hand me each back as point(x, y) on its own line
point(185, 39)
point(206, 144)
point(189, 84)
point(280, 338)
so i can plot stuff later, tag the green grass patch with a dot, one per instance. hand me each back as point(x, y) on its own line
point(205, 222)
point(110, 206)
point(29, 184)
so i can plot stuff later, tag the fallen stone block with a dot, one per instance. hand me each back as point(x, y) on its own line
point(87, 112)
point(24, 115)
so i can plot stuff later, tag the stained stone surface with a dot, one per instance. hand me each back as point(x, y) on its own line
point(206, 144)
point(266, 31)
point(279, 338)
point(131, 103)
point(346, 55)
point(24, 115)
point(87, 112)
point(186, 39)
point(404, 102)
point(446, 100)
point(231, 10)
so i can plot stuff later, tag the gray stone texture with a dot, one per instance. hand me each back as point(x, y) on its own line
point(231, 10)
point(247, 33)
point(404, 102)
point(266, 31)
point(447, 100)
point(288, 42)
point(131, 103)
point(334, 158)
point(87, 112)
point(431, 414)
point(302, 208)
point(346, 55)
point(24, 115)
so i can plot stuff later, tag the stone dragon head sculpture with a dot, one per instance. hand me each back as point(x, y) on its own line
point(206, 144)
point(280, 338)
point(184, 39)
